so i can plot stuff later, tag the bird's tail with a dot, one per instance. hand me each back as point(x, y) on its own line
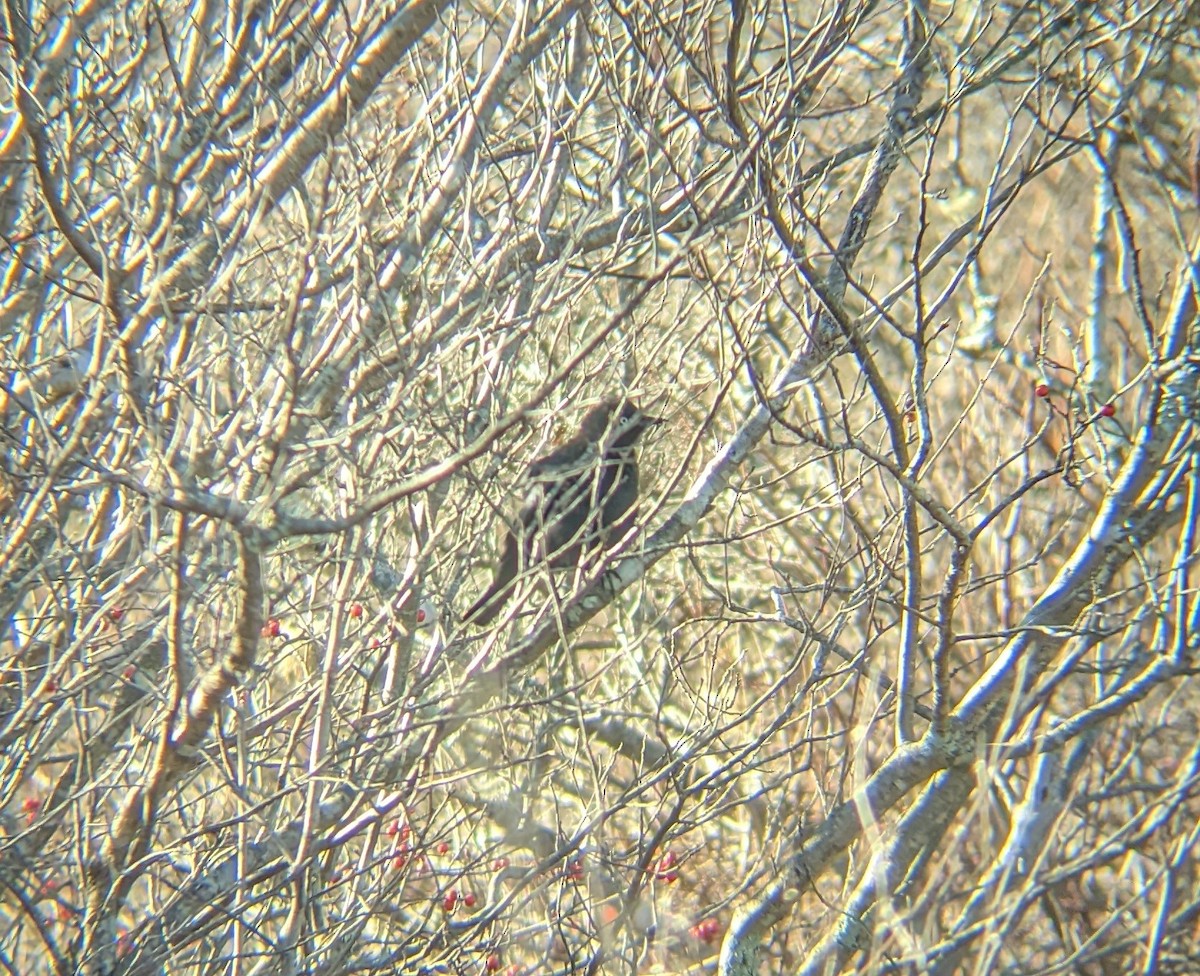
point(484, 610)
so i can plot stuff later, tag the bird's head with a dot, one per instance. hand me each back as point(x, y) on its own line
point(617, 422)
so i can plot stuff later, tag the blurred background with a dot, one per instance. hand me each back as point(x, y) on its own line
point(895, 676)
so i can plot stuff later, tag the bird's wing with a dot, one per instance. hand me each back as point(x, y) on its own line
point(555, 482)
point(573, 458)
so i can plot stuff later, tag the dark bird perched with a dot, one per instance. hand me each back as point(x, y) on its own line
point(578, 499)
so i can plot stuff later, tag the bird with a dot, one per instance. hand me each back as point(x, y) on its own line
point(578, 499)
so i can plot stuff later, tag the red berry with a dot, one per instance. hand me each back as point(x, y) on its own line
point(31, 805)
point(270, 628)
point(374, 644)
point(52, 685)
point(492, 962)
point(706, 930)
point(469, 899)
point(64, 912)
point(575, 870)
point(399, 862)
point(115, 614)
point(443, 847)
point(356, 610)
point(124, 943)
point(500, 863)
point(392, 829)
point(421, 615)
point(1041, 390)
point(664, 871)
point(450, 900)
point(129, 672)
point(1108, 410)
